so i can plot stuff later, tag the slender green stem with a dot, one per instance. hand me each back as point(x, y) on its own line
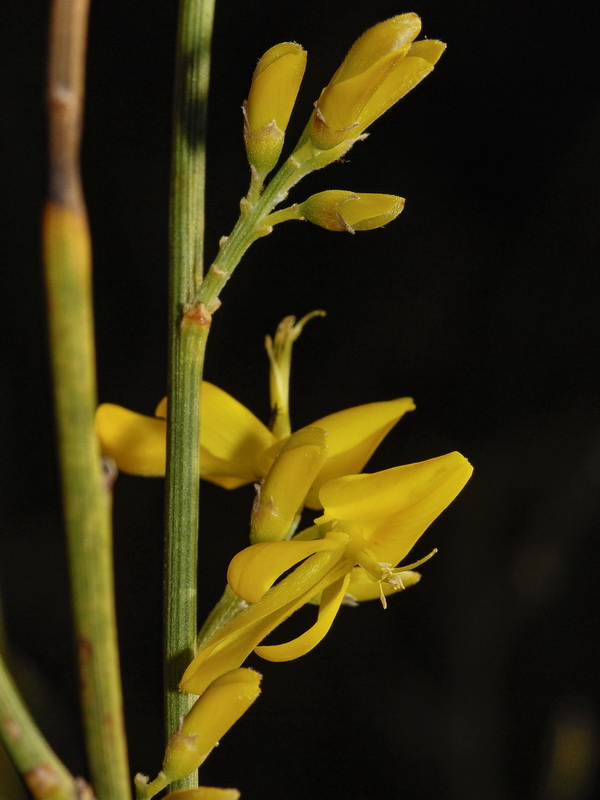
point(43, 773)
point(189, 327)
point(86, 493)
point(251, 226)
point(256, 219)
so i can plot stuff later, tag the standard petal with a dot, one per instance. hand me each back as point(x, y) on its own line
point(396, 506)
point(137, 443)
point(232, 439)
point(363, 587)
point(232, 435)
point(354, 435)
point(255, 569)
point(331, 600)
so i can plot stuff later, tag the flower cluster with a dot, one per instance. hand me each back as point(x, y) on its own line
point(381, 67)
point(364, 525)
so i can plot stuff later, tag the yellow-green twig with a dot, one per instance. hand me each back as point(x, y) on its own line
point(86, 493)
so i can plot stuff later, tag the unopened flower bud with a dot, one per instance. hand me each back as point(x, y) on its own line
point(286, 485)
point(338, 210)
point(379, 69)
point(272, 95)
point(211, 716)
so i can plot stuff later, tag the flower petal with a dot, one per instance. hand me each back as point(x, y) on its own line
point(395, 507)
point(288, 480)
point(429, 50)
point(354, 435)
point(233, 643)
point(232, 439)
point(331, 599)
point(274, 87)
point(399, 81)
point(135, 442)
point(255, 569)
point(385, 38)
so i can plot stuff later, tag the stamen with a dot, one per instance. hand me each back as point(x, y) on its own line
point(382, 596)
point(406, 567)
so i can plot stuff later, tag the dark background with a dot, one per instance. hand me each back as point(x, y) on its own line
point(480, 301)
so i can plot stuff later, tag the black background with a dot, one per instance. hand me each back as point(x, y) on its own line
point(480, 301)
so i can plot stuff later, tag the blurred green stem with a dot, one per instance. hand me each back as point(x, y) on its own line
point(189, 326)
point(86, 490)
point(43, 773)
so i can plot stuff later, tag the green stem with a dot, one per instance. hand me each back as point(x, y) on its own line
point(255, 221)
point(86, 493)
point(189, 326)
point(251, 226)
point(43, 773)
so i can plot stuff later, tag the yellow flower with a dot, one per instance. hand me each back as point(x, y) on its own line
point(381, 67)
point(369, 524)
point(272, 95)
point(338, 210)
point(211, 716)
point(236, 448)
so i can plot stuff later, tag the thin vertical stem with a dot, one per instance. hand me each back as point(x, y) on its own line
point(86, 495)
point(189, 327)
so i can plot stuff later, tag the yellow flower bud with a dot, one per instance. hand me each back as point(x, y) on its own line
point(272, 95)
point(287, 483)
point(203, 793)
point(211, 716)
point(380, 68)
point(338, 210)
